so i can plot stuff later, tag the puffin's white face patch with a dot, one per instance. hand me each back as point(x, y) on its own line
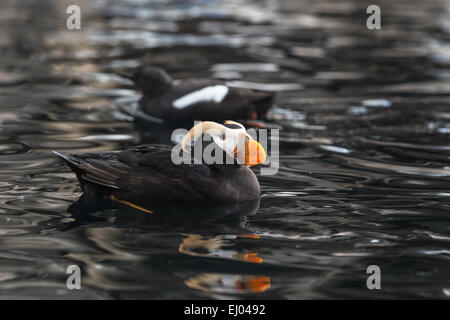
point(213, 93)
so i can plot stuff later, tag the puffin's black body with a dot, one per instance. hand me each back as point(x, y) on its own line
point(160, 91)
point(146, 174)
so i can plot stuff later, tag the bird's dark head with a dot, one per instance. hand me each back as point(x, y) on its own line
point(152, 80)
point(230, 138)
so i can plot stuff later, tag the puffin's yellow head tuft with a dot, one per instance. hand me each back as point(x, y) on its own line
point(230, 137)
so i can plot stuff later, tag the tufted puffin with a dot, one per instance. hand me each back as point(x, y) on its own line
point(184, 101)
point(147, 173)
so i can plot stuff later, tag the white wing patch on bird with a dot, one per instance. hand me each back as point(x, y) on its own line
point(213, 93)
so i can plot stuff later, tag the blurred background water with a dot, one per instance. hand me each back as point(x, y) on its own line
point(364, 151)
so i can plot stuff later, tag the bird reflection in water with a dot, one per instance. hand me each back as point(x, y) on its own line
point(217, 218)
point(205, 230)
point(219, 246)
point(228, 283)
point(216, 247)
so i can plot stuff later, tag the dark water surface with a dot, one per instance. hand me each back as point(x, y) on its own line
point(364, 163)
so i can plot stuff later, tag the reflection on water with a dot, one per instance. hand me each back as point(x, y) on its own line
point(364, 152)
point(221, 283)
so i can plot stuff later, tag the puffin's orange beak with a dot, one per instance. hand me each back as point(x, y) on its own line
point(254, 153)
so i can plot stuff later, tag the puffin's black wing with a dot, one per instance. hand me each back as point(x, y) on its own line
point(100, 169)
point(237, 103)
point(143, 174)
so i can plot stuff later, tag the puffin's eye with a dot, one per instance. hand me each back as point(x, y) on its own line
point(223, 137)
